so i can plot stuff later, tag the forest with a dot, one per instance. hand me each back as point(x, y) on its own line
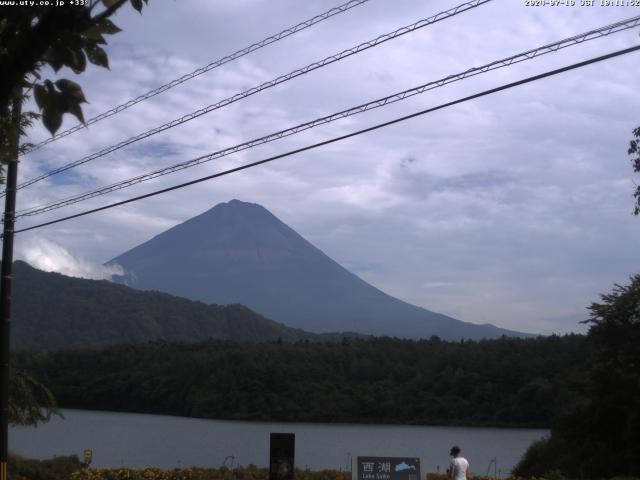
point(504, 382)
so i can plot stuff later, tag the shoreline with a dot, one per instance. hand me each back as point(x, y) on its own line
point(310, 422)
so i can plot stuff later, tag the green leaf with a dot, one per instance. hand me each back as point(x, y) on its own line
point(51, 57)
point(71, 89)
point(108, 27)
point(75, 110)
point(55, 63)
point(77, 61)
point(137, 4)
point(94, 36)
point(61, 54)
point(40, 95)
point(97, 56)
point(52, 119)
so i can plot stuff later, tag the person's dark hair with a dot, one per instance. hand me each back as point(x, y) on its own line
point(455, 450)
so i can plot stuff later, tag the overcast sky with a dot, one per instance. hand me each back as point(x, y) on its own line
point(513, 209)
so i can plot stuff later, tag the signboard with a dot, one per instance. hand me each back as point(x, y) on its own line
point(388, 468)
point(281, 456)
point(88, 456)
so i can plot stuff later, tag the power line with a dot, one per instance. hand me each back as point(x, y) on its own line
point(528, 55)
point(343, 137)
point(271, 83)
point(215, 64)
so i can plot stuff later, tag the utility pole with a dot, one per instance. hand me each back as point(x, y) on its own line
point(5, 279)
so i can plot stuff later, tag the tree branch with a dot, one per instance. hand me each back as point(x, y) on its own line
point(107, 13)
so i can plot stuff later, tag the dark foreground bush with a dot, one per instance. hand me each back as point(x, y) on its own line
point(540, 457)
point(57, 468)
point(196, 473)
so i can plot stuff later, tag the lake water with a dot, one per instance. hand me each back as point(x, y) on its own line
point(137, 440)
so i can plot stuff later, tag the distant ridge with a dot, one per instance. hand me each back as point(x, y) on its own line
point(52, 311)
point(239, 252)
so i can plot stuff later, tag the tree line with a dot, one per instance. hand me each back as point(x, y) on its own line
point(504, 382)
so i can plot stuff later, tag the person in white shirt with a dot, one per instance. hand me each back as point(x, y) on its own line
point(459, 467)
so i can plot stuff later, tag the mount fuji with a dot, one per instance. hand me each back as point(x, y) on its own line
point(239, 252)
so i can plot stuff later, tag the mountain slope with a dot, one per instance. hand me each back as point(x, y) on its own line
point(239, 252)
point(52, 311)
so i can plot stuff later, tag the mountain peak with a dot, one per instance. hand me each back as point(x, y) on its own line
point(239, 252)
point(238, 205)
point(237, 210)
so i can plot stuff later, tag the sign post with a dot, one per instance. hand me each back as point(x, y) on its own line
point(387, 468)
point(281, 456)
